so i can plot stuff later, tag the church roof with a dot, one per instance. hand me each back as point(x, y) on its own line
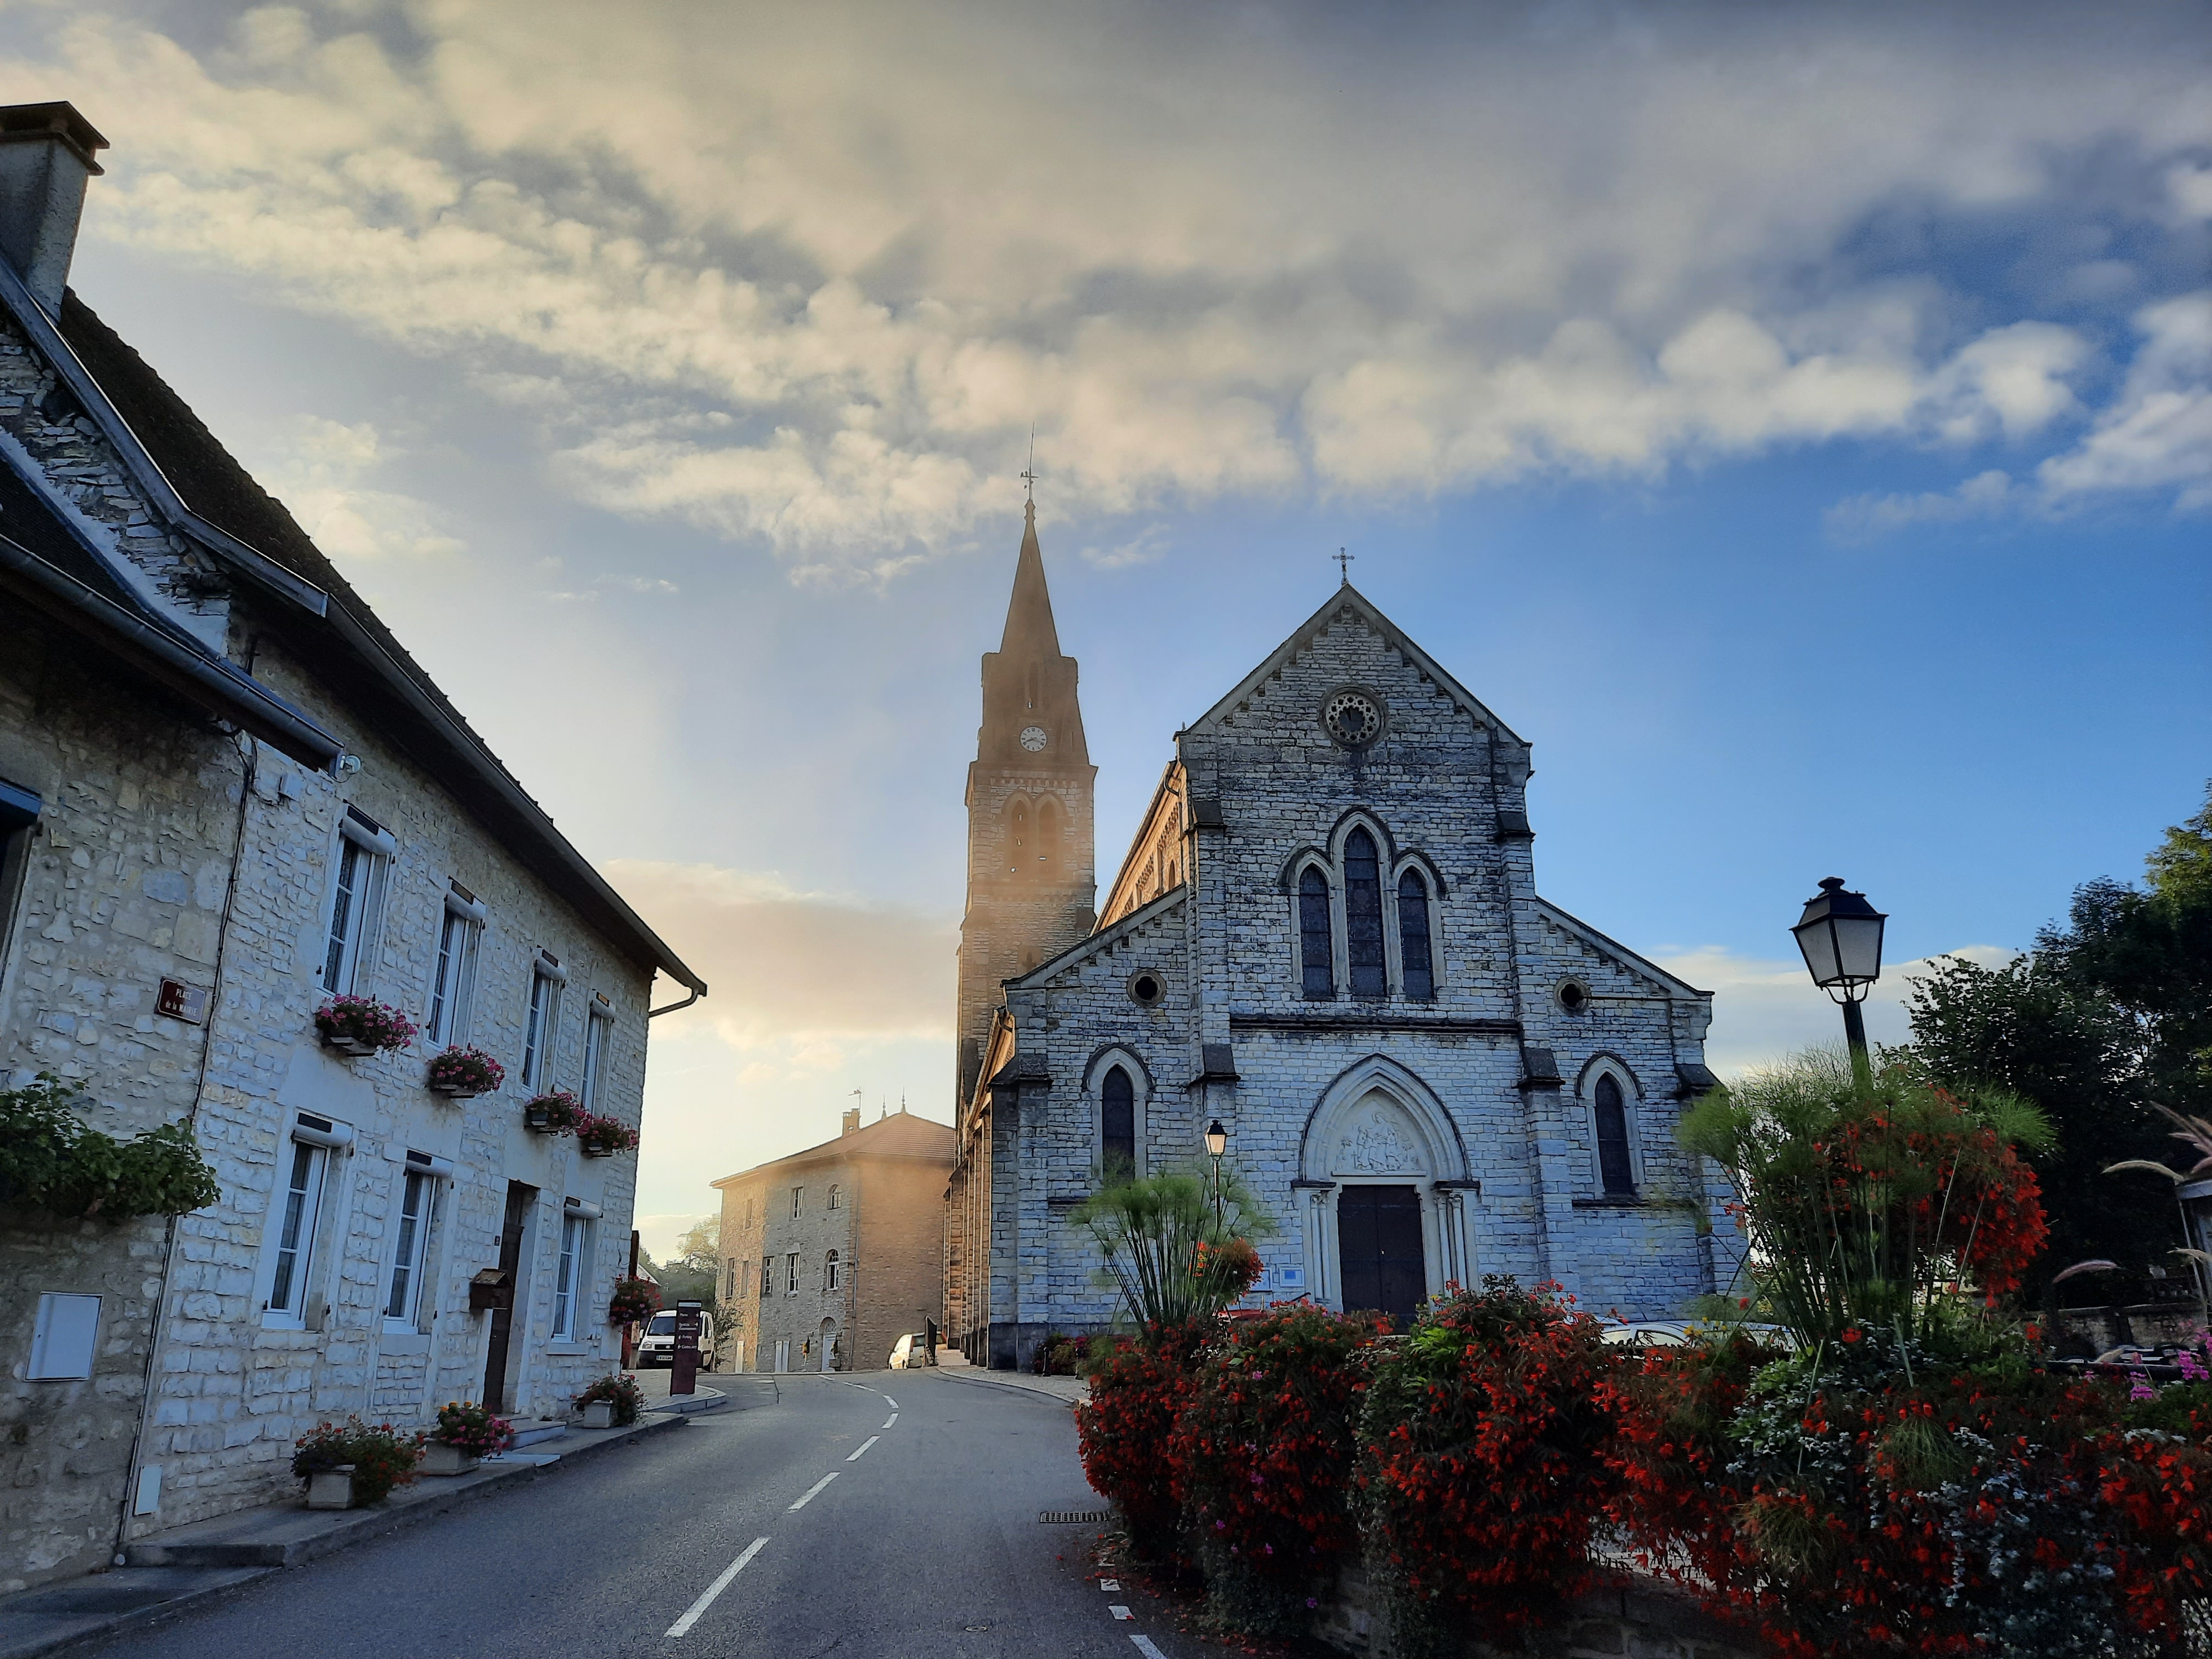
point(1395, 637)
point(901, 1136)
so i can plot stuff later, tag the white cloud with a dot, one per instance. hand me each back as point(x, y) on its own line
point(1147, 546)
point(810, 277)
point(317, 468)
point(1859, 517)
point(1765, 1009)
point(2157, 434)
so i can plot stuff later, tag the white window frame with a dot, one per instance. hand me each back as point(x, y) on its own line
point(768, 1275)
point(598, 1030)
point(292, 1246)
point(19, 822)
point(411, 1240)
point(833, 1275)
point(1631, 1101)
point(836, 1198)
point(1140, 1100)
point(797, 1195)
point(791, 1273)
point(353, 907)
point(572, 1271)
point(541, 1020)
point(453, 969)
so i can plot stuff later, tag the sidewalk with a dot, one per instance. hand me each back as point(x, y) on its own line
point(1066, 1389)
point(179, 1566)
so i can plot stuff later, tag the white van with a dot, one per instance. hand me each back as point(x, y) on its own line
point(658, 1346)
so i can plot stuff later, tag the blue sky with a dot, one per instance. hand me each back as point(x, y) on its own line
point(1797, 424)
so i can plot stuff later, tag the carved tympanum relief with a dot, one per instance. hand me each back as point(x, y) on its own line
point(1378, 1139)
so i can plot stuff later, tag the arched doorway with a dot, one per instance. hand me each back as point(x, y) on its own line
point(826, 1344)
point(1384, 1176)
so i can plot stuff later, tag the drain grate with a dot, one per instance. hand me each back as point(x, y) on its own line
point(1069, 1517)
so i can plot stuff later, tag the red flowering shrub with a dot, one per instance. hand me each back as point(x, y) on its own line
point(633, 1301)
point(1485, 1461)
point(1262, 1457)
point(1139, 1388)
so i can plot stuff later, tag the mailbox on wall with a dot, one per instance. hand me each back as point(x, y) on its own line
point(491, 1290)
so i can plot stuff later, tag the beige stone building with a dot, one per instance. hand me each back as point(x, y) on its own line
point(226, 793)
point(831, 1254)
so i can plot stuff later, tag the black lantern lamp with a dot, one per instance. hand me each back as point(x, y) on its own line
point(1216, 1143)
point(1840, 934)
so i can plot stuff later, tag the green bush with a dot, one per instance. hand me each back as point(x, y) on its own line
point(51, 1159)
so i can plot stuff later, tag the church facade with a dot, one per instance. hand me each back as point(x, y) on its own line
point(1325, 937)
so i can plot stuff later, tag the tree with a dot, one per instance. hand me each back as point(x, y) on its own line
point(694, 1272)
point(2111, 1014)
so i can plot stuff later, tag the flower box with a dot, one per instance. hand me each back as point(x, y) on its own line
point(439, 1458)
point(554, 1113)
point(362, 1025)
point(597, 1149)
point(603, 1137)
point(599, 1414)
point(464, 1073)
point(331, 1489)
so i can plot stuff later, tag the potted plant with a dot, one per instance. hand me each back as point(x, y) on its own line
point(463, 1072)
point(603, 1137)
point(362, 1025)
point(354, 1462)
point(553, 1113)
point(465, 1432)
point(633, 1301)
point(612, 1402)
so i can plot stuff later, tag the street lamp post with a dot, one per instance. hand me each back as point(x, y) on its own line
point(1216, 1143)
point(1841, 936)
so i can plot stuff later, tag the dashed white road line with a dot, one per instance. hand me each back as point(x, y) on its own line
point(1121, 1612)
point(1109, 1583)
point(893, 1418)
point(812, 1491)
point(864, 1445)
point(707, 1599)
point(892, 1403)
point(1144, 1646)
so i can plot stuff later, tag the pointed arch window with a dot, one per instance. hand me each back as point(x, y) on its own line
point(1362, 915)
point(1316, 948)
point(1117, 1124)
point(1414, 948)
point(1048, 835)
point(1613, 1167)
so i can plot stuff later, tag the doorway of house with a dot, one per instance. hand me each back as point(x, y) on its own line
point(518, 1201)
point(783, 1353)
point(829, 1345)
point(1378, 1233)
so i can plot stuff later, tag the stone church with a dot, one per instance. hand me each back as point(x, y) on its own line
point(1326, 935)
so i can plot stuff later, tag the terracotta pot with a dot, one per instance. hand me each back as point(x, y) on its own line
point(439, 1458)
point(599, 1414)
point(331, 1489)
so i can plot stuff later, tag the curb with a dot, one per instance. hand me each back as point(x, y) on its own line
point(989, 1381)
point(225, 1578)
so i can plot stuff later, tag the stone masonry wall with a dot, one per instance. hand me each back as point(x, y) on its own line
point(123, 886)
point(899, 1282)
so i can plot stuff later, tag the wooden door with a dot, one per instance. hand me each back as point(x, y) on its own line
point(1378, 1240)
point(518, 1198)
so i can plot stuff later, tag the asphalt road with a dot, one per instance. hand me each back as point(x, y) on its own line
point(863, 1529)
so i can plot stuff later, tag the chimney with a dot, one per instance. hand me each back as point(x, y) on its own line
point(852, 1119)
point(45, 156)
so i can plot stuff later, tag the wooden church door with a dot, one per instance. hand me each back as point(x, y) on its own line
point(1381, 1263)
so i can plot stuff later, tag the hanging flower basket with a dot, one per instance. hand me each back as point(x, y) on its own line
point(362, 1025)
point(603, 1137)
point(554, 1113)
point(462, 1072)
point(633, 1301)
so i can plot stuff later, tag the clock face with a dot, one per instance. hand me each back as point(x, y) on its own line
point(1032, 737)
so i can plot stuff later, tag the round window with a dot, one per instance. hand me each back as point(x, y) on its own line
point(1145, 989)
point(1574, 995)
point(1352, 717)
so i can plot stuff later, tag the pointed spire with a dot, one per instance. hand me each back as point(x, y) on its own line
point(1030, 630)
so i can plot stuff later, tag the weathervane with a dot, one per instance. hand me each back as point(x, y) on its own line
point(1028, 474)
point(1344, 565)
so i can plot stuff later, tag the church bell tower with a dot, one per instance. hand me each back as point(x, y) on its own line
point(1032, 859)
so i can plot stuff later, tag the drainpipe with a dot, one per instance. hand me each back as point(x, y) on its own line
point(157, 1340)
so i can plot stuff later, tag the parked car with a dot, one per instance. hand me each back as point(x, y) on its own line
point(658, 1346)
point(911, 1352)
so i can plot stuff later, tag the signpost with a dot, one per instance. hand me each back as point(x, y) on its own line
point(683, 1366)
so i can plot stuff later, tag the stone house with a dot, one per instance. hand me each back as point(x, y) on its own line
point(226, 794)
point(1327, 937)
point(831, 1254)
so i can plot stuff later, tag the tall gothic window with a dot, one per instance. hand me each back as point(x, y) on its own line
point(1316, 948)
point(1117, 1124)
point(1048, 835)
point(1363, 914)
point(1612, 1164)
point(1413, 936)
